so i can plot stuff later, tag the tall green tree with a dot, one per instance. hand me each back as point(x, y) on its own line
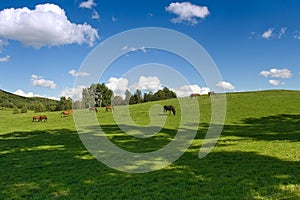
point(127, 96)
point(64, 103)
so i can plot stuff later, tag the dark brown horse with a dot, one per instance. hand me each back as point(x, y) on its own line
point(211, 93)
point(93, 109)
point(109, 108)
point(66, 113)
point(194, 95)
point(170, 108)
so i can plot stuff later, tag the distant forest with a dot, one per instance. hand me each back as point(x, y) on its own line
point(38, 104)
point(97, 95)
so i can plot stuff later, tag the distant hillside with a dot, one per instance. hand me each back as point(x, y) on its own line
point(9, 100)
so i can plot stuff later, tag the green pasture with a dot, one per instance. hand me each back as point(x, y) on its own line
point(257, 155)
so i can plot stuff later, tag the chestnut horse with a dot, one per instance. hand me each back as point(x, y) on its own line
point(170, 108)
point(66, 113)
point(43, 117)
point(36, 118)
point(107, 108)
point(39, 118)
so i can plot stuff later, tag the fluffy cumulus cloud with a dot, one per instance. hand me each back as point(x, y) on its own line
point(225, 85)
point(277, 73)
point(31, 94)
point(147, 83)
point(276, 82)
point(187, 12)
point(46, 25)
point(75, 73)
point(118, 85)
point(75, 93)
point(40, 81)
point(187, 90)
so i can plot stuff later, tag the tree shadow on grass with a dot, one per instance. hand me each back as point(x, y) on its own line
point(276, 127)
point(54, 164)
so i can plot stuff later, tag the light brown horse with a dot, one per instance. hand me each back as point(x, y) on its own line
point(66, 113)
point(107, 108)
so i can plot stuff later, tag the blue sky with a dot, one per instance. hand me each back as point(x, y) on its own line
point(254, 43)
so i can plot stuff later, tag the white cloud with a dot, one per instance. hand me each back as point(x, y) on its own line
point(142, 49)
point(147, 83)
point(225, 85)
point(22, 93)
point(297, 35)
point(272, 33)
point(74, 73)
point(268, 34)
point(277, 73)
point(46, 25)
point(75, 93)
point(95, 15)
point(118, 85)
point(187, 12)
point(4, 59)
point(187, 90)
point(282, 32)
point(31, 94)
point(87, 4)
point(276, 82)
point(40, 81)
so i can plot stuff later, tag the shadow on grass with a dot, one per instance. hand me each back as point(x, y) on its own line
point(277, 127)
point(53, 164)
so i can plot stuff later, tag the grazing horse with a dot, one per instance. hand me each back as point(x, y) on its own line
point(195, 95)
point(36, 118)
point(66, 113)
point(170, 108)
point(43, 117)
point(107, 108)
point(211, 93)
point(93, 109)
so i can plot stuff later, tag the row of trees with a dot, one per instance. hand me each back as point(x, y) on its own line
point(97, 95)
point(100, 95)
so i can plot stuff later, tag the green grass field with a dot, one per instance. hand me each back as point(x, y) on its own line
point(256, 157)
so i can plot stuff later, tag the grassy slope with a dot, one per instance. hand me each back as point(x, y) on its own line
point(256, 156)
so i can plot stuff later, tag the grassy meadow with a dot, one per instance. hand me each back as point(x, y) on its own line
point(257, 155)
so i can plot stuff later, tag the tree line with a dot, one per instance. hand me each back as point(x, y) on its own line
point(99, 95)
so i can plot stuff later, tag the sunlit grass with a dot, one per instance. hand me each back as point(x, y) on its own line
point(256, 157)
